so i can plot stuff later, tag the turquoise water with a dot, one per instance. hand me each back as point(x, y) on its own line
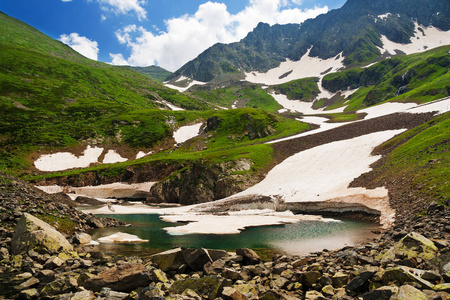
point(300, 238)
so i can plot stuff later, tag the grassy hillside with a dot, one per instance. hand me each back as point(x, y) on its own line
point(418, 77)
point(153, 72)
point(237, 94)
point(52, 97)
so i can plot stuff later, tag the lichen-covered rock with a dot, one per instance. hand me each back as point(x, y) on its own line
point(28, 294)
point(121, 278)
point(34, 234)
point(210, 286)
point(408, 292)
point(169, 260)
point(402, 275)
point(411, 246)
point(250, 256)
point(196, 258)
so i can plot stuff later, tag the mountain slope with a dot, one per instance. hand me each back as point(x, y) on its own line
point(51, 96)
point(153, 72)
point(355, 30)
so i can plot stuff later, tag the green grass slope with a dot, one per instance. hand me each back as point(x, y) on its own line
point(153, 72)
point(53, 97)
point(418, 78)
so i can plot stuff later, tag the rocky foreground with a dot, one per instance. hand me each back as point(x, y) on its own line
point(410, 261)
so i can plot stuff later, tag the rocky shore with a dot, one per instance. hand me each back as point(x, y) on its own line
point(409, 261)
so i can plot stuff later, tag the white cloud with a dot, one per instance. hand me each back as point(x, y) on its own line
point(187, 36)
point(124, 7)
point(66, 0)
point(118, 60)
point(81, 44)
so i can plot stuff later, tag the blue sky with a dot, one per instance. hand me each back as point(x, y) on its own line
point(167, 33)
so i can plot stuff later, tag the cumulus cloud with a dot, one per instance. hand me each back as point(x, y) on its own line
point(189, 35)
point(81, 44)
point(124, 7)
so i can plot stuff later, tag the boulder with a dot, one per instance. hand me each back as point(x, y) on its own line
point(196, 258)
point(28, 294)
point(169, 260)
point(402, 275)
point(408, 292)
point(230, 293)
point(250, 257)
point(382, 293)
point(362, 280)
point(122, 278)
point(412, 246)
point(34, 234)
point(209, 286)
point(82, 238)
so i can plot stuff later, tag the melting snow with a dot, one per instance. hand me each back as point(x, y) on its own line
point(433, 38)
point(186, 132)
point(113, 157)
point(121, 237)
point(306, 67)
point(66, 160)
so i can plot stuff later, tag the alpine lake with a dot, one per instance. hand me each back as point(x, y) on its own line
point(295, 239)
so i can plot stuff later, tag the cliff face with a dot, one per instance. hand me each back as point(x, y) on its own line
point(202, 182)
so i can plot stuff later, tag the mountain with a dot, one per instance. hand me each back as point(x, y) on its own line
point(153, 72)
point(358, 31)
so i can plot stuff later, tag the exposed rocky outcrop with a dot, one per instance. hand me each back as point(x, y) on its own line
point(201, 182)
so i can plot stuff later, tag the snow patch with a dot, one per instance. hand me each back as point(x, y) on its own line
point(121, 237)
point(183, 89)
point(142, 154)
point(305, 67)
point(186, 132)
point(65, 160)
point(430, 38)
point(113, 157)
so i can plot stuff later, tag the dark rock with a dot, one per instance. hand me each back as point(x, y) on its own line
point(360, 281)
point(383, 293)
point(169, 260)
point(209, 286)
point(196, 258)
point(122, 278)
point(250, 256)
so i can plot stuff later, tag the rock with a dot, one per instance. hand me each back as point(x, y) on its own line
point(108, 294)
point(431, 276)
point(411, 246)
point(402, 275)
point(83, 295)
point(443, 287)
point(209, 286)
point(82, 238)
point(196, 258)
point(230, 293)
point(94, 222)
point(231, 274)
point(33, 233)
point(382, 293)
point(54, 288)
point(312, 277)
point(122, 278)
point(151, 293)
point(29, 294)
point(361, 280)
point(159, 276)
point(215, 267)
point(340, 279)
point(328, 290)
point(27, 284)
point(169, 260)
point(250, 257)
point(407, 292)
point(314, 295)
point(53, 262)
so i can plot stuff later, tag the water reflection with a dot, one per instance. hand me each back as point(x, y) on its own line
point(300, 238)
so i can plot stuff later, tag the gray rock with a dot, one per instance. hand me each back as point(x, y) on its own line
point(169, 260)
point(122, 278)
point(108, 294)
point(209, 286)
point(250, 256)
point(33, 233)
point(196, 258)
point(53, 262)
point(82, 238)
point(407, 292)
point(230, 293)
point(382, 293)
point(29, 294)
point(27, 284)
